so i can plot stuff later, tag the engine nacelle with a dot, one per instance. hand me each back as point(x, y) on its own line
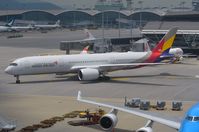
point(145, 129)
point(177, 52)
point(108, 121)
point(88, 74)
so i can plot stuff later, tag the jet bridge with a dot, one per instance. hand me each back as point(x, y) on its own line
point(100, 45)
point(97, 45)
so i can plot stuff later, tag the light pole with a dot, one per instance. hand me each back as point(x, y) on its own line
point(74, 15)
point(119, 22)
point(131, 18)
point(74, 6)
point(183, 3)
point(103, 21)
point(140, 3)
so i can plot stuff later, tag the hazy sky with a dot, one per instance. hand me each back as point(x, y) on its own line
point(146, 3)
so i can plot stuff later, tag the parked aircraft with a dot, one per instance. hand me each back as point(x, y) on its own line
point(190, 123)
point(90, 66)
point(48, 27)
point(21, 28)
point(7, 27)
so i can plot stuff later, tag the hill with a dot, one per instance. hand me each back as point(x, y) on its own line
point(27, 5)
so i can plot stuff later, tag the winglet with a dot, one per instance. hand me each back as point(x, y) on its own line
point(149, 123)
point(79, 95)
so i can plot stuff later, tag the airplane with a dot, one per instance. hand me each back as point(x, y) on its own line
point(48, 27)
point(7, 27)
point(174, 54)
point(22, 28)
point(90, 66)
point(190, 122)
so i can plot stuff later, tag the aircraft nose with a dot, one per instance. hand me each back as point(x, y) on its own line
point(8, 70)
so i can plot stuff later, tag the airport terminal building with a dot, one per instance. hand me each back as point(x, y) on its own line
point(145, 19)
point(84, 17)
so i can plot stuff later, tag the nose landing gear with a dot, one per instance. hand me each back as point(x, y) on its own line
point(17, 79)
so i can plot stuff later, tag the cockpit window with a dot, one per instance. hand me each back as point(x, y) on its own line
point(13, 64)
point(189, 118)
point(196, 118)
point(192, 118)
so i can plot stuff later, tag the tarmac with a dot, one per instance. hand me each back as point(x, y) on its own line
point(39, 97)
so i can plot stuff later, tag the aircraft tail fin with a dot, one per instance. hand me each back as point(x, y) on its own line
point(146, 46)
point(166, 42)
point(89, 36)
point(10, 23)
point(163, 45)
point(85, 50)
point(57, 22)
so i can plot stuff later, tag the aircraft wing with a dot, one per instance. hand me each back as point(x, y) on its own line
point(78, 41)
point(165, 120)
point(104, 67)
point(90, 41)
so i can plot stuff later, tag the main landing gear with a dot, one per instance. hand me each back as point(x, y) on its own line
point(17, 79)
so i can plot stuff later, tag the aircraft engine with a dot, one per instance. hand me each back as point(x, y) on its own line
point(108, 121)
point(88, 74)
point(177, 52)
point(145, 129)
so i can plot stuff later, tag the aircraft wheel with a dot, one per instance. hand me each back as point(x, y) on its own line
point(17, 81)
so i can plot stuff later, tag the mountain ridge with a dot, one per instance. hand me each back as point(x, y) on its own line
point(27, 5)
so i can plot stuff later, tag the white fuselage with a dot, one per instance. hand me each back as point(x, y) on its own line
point(177, 52)
point(21, 28)
point(46, 26)
point(65, 63)
point(4, 29)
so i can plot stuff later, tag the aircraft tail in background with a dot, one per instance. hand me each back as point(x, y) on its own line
point(10, 23)
point(89, 36)
point(163, 45)
point(57, 22)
